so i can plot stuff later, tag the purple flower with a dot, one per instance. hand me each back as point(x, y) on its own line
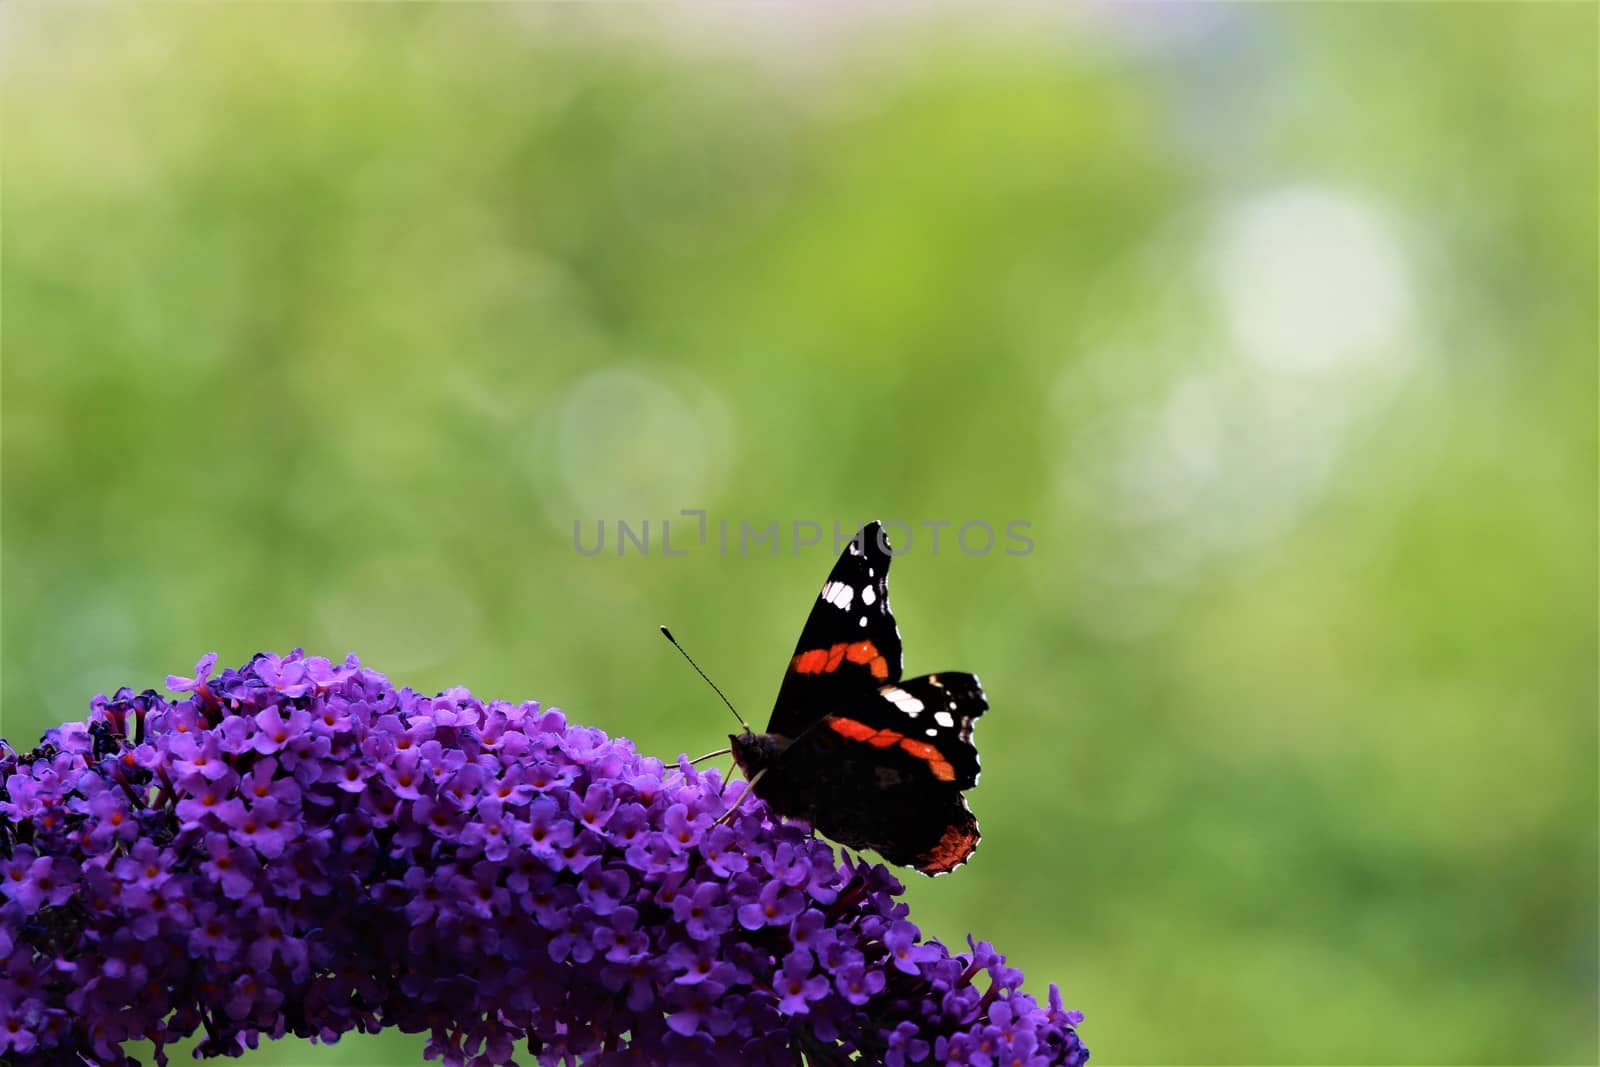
point(298, 847)
point(110, 819)
point(286, 675)
point(796, 986)
point(492, 830)
point(905, 1046)
point(693, 963)
point(684, 827)
point(596, 807)
point(692, 1009)
point(198, 756)
point(620, 940)
point(857, 984)
point(144, 867)
point(202, 670)
point(904, 951)
point(230, 867)
point(720, 852)
point(34, 881)
point(274, 730)
point(262, 826)
point(775, 905)
point(702, 912)
point(547, 833)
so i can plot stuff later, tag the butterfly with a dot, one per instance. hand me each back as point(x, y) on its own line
point(864, 756)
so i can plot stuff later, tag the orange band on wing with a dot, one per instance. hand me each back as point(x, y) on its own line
point(936, 763)
point(855, 731)
point(953, 848)
point(867, 652)
point(827, 660)
point(811, 662)
point(860, 731)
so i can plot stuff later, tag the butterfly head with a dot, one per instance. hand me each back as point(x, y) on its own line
point(755, 752)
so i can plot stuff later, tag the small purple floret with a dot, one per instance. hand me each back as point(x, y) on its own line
point(298, 847)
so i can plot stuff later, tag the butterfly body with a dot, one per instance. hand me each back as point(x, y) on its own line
point(868, 759)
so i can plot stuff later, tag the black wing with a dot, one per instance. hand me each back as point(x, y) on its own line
point(887, 772)
point(937, 710)
point(849, 646)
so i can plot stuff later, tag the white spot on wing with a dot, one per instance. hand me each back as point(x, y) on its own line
point(931, 732)
point(869, 596)
point(904, 701)
point(863, 620)
point(839, 595)
point(943, 719)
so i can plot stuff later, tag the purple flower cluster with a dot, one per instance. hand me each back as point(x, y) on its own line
point(298, 847)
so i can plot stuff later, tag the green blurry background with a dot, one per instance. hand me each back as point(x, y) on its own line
point(324, 323)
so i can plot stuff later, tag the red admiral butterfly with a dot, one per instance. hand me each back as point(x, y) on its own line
point(869, 759)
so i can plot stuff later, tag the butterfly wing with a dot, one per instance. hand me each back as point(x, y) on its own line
point(870, 760)
point(934, 715)
point(933, 830)
point(849, 646)
point(887, 772)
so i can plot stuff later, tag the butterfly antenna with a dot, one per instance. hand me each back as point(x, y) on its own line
point(668, 635)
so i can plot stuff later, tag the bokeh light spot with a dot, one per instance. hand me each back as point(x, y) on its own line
point(633, 444)
point(1312, 279)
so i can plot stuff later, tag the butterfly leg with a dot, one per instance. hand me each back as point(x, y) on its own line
point(731, 812)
